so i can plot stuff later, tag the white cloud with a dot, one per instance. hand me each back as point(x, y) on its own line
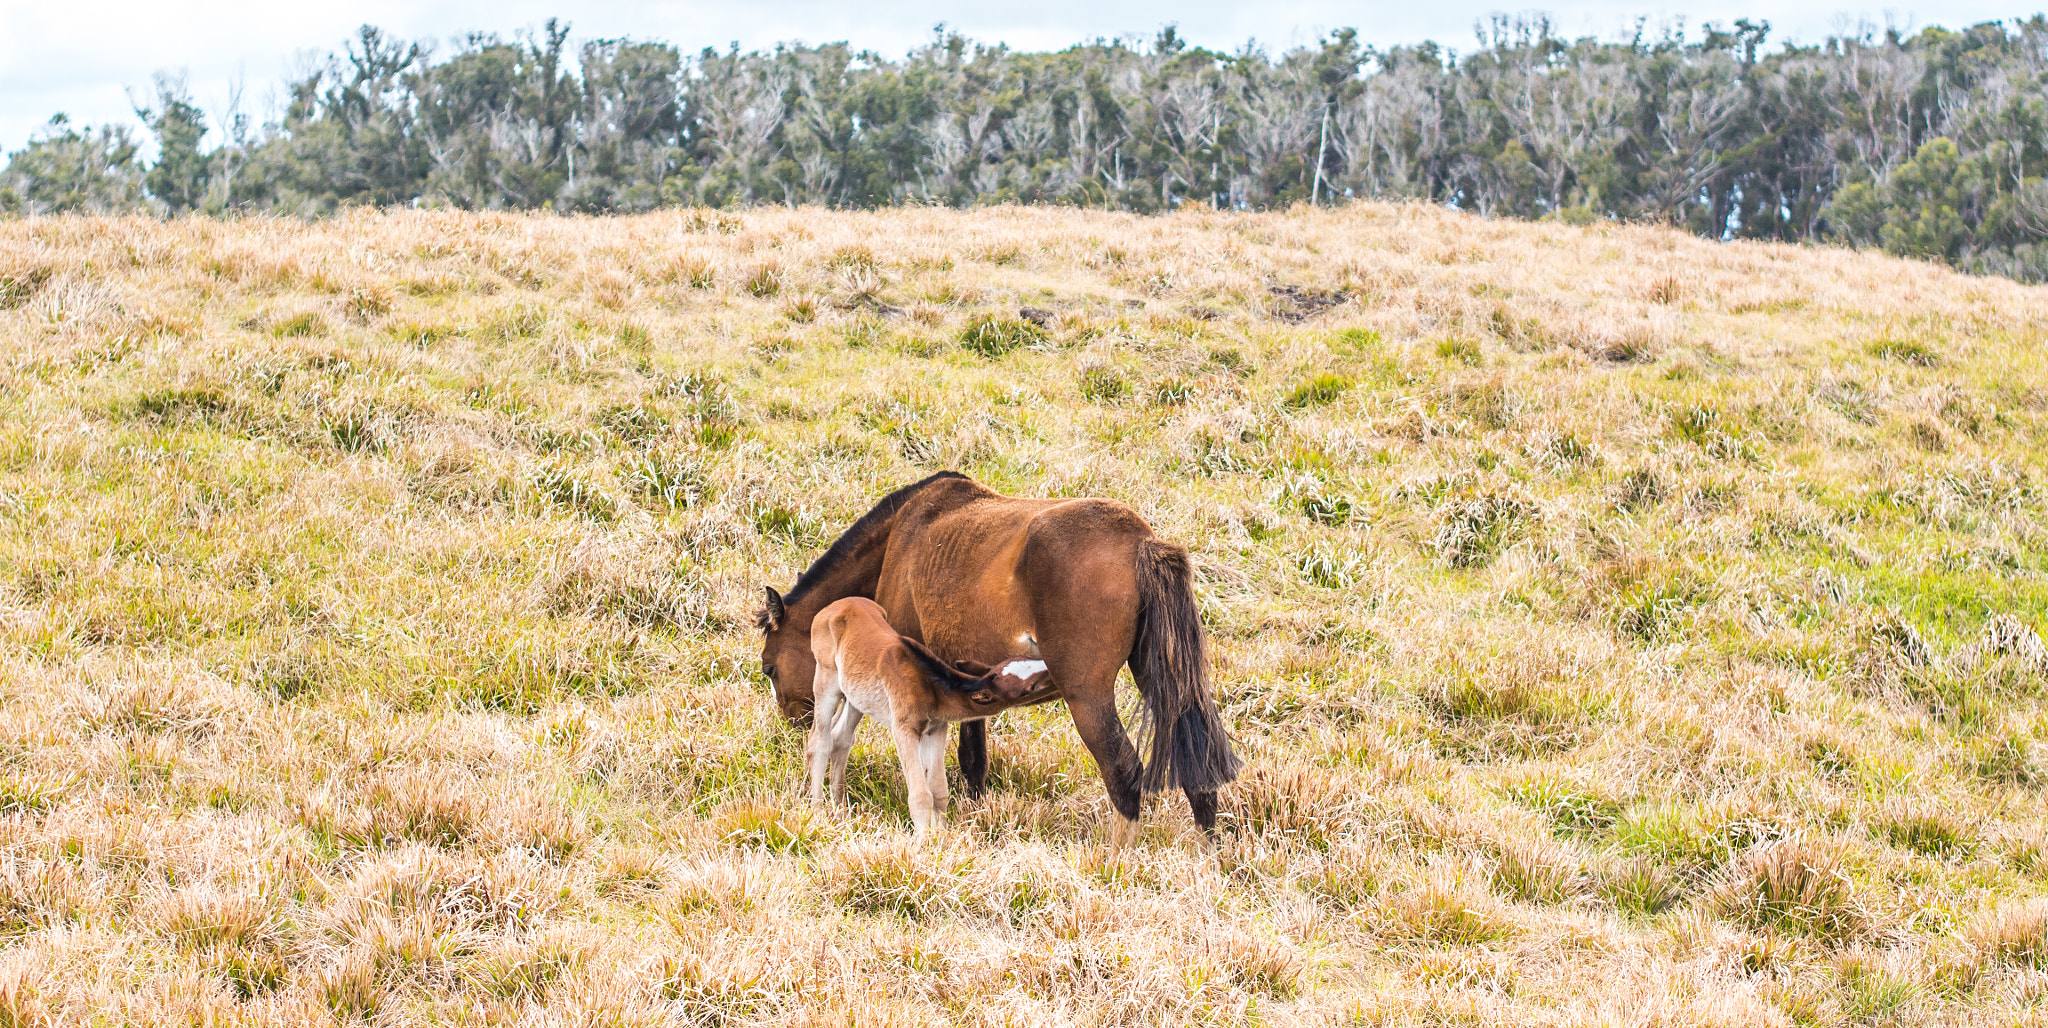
point(85, 57)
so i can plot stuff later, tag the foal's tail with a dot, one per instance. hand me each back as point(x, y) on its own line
point(1190, 749)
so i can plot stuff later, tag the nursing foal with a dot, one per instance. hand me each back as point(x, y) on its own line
point(865, 667)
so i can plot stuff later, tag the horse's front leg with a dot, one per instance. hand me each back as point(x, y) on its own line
point(974, 758)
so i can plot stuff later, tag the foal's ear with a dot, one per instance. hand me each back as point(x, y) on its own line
point(1011, 687)
point(772, 613)
point(972, 667)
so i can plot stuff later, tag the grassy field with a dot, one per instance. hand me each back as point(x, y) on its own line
point(1620, 628)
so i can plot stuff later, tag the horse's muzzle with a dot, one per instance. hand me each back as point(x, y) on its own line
point(796, 713)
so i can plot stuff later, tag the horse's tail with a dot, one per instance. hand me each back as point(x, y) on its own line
point(1169, 659)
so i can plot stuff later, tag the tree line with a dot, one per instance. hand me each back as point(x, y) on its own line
point(1926, 144)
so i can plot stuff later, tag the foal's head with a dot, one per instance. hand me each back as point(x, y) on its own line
point(1008, 682)
point(786, 659)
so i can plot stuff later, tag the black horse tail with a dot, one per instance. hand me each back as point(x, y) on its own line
point(1170, 660)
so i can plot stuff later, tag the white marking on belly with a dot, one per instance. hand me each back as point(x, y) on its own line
point(1023, 668)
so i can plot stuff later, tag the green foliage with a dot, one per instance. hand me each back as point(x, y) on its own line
point(1947, 167)
point(1906, 351)
point(67, 170)
point(1976, 210)
point(180, 177)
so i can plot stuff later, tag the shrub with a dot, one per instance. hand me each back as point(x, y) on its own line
point(1319, 390)
point(1472, 530)
point(1906, 351)
point(1105, 383)
point(763, 281)
point(993, 335)
point(300, 325)
point(898, 877)
point(1792, 886)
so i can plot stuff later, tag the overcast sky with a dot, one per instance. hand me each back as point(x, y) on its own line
point(86, 57)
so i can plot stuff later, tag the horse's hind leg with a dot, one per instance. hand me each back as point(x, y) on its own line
point(1102, 731)
point(1203, 805)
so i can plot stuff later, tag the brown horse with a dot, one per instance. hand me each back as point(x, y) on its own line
point(1081, 584)
point(865, 668)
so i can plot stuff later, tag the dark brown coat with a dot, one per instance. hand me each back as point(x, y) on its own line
point(1081, 583)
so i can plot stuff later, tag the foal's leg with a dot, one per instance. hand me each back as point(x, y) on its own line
point(931, 752)
point(842, 747)
point(828, 700)
point(910, 751)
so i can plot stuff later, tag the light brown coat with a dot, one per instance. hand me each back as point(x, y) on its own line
point(864, 667)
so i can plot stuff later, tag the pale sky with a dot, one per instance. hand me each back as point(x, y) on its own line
point(84, 57)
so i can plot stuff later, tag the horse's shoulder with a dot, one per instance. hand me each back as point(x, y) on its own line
point(947, 494)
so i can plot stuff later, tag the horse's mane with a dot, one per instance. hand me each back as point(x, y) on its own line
point(857, 536)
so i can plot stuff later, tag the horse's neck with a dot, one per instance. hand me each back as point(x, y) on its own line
point(854, 576)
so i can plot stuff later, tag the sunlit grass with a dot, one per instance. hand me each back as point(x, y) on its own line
point(1619, 627)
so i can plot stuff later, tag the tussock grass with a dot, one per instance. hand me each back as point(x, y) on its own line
point(1620, 627)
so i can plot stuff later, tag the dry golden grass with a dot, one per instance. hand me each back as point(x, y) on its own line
point(1621, 628)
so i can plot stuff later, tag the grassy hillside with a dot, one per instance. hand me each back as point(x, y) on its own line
point(1621, 628)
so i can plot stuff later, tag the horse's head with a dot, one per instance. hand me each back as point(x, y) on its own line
point(786, 659)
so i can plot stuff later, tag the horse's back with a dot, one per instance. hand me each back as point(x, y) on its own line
point(975, 573)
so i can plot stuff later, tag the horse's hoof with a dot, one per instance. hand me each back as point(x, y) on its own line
point(1122, 832)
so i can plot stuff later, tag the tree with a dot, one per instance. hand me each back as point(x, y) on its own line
point(81, 170)
point(181, 177)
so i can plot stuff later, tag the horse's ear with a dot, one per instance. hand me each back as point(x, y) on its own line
point(772, 612)
point(972, 667)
